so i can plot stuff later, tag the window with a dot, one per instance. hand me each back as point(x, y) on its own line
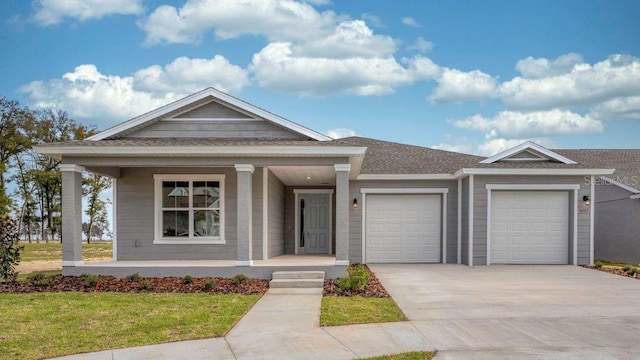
point(189, 209)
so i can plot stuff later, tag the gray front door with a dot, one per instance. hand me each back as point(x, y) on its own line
point(315, 229)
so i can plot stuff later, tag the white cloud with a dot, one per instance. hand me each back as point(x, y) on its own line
point(277, 20)
point(619, 108)
point(455, 85)
point(541, 67)
point(51, 12)
point(617, 76)
point(339, 133)
point(349, 39)
point(409, 21)
point(421, 45)
point(374, 20)
point(514, 125)
point(88, 94)
point(277, 67)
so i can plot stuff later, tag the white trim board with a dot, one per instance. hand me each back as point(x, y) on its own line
point(470, 221)
point(265, 214)
point(406, 177)
point(501, 171)
point(114, 218)
point(609, 180)
point(216, 95)
point(592, 212)
point(575, 188)
point(459, 259)
point(529, 145)
point(404, 190)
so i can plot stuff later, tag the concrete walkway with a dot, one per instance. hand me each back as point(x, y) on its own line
point(283, 324)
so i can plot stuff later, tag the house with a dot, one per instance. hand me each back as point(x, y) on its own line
point(617, 200)
point(212, 185)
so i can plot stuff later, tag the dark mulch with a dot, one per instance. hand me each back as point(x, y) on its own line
point(149, 284)
point(373, 289)
point(610, 271)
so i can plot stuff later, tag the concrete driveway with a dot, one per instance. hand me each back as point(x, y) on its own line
point(518, 312)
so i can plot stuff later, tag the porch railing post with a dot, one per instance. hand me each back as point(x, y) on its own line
point(342, 213)
point(71, 214)
point(244, 175)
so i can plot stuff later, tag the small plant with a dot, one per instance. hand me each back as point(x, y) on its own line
point(627, 268)
point(357, 278)
point(145, 285)
point(90, 280)
point(40, 279)
point(240, 279)
point(598, 265)
point(9, 249)
point(208, 285)
point(134, 277)
point(187, 279)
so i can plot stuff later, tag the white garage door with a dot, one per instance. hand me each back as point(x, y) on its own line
point(529, 227)
point(403, 228)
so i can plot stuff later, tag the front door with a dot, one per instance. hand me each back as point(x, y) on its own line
point(315, 224)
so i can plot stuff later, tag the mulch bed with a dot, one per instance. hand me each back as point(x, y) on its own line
point(609, 270)
point(373, 289)
point(144, 284)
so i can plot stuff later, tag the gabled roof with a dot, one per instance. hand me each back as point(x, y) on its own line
point(530, 147)
point(154, 115)
point(625, 161)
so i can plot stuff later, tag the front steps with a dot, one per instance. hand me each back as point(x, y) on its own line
point(297, 279)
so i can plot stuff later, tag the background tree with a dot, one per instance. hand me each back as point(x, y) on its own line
point(94, 184)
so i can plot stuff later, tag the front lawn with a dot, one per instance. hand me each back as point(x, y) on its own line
point(53, 251)
point(343, 310)
point(44, 325)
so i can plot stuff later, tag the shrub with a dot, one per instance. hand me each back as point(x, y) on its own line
point(627, 268)
point(40, 279)
point(90, 280)
point(187, 279)
point(357, 278)
point(9, 248)
point(598, 265)
point(208, 285)
point(239, 279)
point(145, 285)
point(134, 277)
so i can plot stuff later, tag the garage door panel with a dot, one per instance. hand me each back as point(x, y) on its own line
point(403, 228)
point(534, 230)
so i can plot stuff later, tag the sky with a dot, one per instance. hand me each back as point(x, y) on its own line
point(469, 76)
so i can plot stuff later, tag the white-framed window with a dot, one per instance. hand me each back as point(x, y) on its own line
point(189, 209)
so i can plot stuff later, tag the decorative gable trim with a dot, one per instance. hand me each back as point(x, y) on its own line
point(208, 92)
point(535, 148)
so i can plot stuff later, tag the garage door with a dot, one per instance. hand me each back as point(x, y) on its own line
point(403, 228)
point(530, 227)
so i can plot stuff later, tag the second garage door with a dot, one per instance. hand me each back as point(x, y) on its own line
point(530, 227)
point(403, 228)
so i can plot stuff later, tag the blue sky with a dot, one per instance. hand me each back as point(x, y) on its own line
point(471, 76)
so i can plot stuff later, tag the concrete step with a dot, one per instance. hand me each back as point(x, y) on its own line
point(298, 275)
point(296, 283)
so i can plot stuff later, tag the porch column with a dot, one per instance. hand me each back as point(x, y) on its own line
point(71, 214)
point(244, 173)
point(342, 213)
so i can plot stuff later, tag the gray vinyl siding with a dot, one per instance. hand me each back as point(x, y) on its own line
point(215, 129)
point(465, 222)
point(355, 215)
point(135, 218)
point(617, 225)
point(257, 204)
point(275, 229)
point(213, 110)
point(480, 212)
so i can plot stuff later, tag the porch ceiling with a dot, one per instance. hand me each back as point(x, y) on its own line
point(305, 175)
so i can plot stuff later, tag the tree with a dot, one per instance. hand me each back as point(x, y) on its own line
point(94, 184)
point(13, 141)
point(9, 248)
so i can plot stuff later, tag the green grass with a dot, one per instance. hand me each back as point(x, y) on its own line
point(615, 264)
point(53, 251)
point(23, 277)
point(414, 355)
point(342, 310)
point(44, 325)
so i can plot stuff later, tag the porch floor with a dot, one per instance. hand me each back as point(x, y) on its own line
point(282, 260)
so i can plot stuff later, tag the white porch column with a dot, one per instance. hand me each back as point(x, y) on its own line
point(71, 214)
point(244, 174)
point(342, 213)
